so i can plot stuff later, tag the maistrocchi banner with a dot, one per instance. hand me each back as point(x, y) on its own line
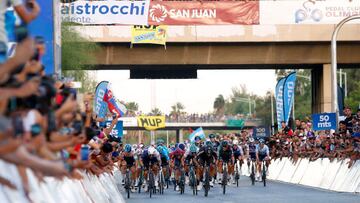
point(289, 93)
point(204, 12)
point(279, 97)
point(106, 12)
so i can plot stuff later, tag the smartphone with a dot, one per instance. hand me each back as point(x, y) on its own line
point(29, 5)
point(3, 52)
point(18, 126)
point(35, 130)
point(21, 33)
point(84, 153)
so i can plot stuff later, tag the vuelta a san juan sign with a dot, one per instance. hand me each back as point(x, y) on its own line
point(194, 12)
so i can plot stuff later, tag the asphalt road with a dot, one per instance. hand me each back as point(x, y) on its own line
point(273, 192)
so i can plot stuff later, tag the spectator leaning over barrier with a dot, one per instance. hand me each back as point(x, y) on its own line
point(348, 119)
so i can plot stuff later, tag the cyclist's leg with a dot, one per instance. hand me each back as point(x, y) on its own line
point(219, 170)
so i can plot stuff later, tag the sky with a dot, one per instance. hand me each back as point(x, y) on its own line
point(197, 95)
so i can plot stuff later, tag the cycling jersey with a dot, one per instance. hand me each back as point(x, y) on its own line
point(237, 152)
point(147, 159)
point(252, 151)
point(129, 159)
point(205, 158)
point(263, 152)
point(225, 155)
point(177, 156)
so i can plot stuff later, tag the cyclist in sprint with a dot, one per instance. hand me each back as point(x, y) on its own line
point(191, 158)
point(164, 156)
point(178, 162)
point(238, 157)
point(251, 152)
point(214, 142)
point(262, 153)
point(198, 142)
point(225, 156)
point(150, 156)
point(127, 160)
point(206, 156)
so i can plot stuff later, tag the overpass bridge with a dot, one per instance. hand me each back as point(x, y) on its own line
point(179, 127)
point(275, 42)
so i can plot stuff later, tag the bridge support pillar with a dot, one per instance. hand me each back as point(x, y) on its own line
point(321, 89)
point(179, 135)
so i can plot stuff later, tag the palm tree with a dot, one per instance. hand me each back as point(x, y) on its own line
point(177, 109)
point(132, 107)
point(219, 105)
point(156, 112)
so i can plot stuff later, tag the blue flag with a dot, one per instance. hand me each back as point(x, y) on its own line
point(198, 132)
point(289, 93)
point(99, 104)
point(279, 91)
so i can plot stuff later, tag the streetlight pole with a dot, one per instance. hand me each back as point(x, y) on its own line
point(334, 103)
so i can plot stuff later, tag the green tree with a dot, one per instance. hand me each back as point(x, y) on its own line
point(353, 99)
point(132, 107)
point(219, 105)
point(177, 110)
point(156, 112)
point(74, 54)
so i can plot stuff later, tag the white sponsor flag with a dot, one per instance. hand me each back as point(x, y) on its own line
point(106, 12)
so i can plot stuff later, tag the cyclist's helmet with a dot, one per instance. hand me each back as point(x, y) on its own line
point(160, 149)
point(182, 146)
point(193, 148)
point(235, 142)
point(160, 142)
point(127, 148)
point(197, 138)
point(151, 150)
point(262, 141)
point(251, 140)
point(209, 143)
point(134, 146)
point(211, 136)
point(224, 143)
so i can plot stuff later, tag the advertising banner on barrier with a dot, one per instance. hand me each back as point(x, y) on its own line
point(106, 12)
point(200, 13)
point(307, 11)
point(261, 131)
point(324, 121)
point(153, 34)
point(289, 93)
point(151, 122)
point(279, 92)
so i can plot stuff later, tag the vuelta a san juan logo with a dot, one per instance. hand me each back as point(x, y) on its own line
point(158, 13)
point(309, 11)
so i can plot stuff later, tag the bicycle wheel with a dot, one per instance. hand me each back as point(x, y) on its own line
point(182, 182)
point(151, 182)
point(162, 183)
point(252, 176)
point(127, 183)
point(207, 181)
point(224, 179)
point(140, 181)
point(264, 174)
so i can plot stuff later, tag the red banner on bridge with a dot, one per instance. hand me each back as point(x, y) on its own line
point(203, 13)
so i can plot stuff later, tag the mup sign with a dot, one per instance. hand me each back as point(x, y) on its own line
point(324, 121)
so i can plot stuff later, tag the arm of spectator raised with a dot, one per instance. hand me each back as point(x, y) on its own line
point(28, 15)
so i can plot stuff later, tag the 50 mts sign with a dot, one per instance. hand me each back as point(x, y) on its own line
point(324, 121)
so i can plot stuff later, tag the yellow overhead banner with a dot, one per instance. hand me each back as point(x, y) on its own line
point(151, 122)
point(152, 34)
